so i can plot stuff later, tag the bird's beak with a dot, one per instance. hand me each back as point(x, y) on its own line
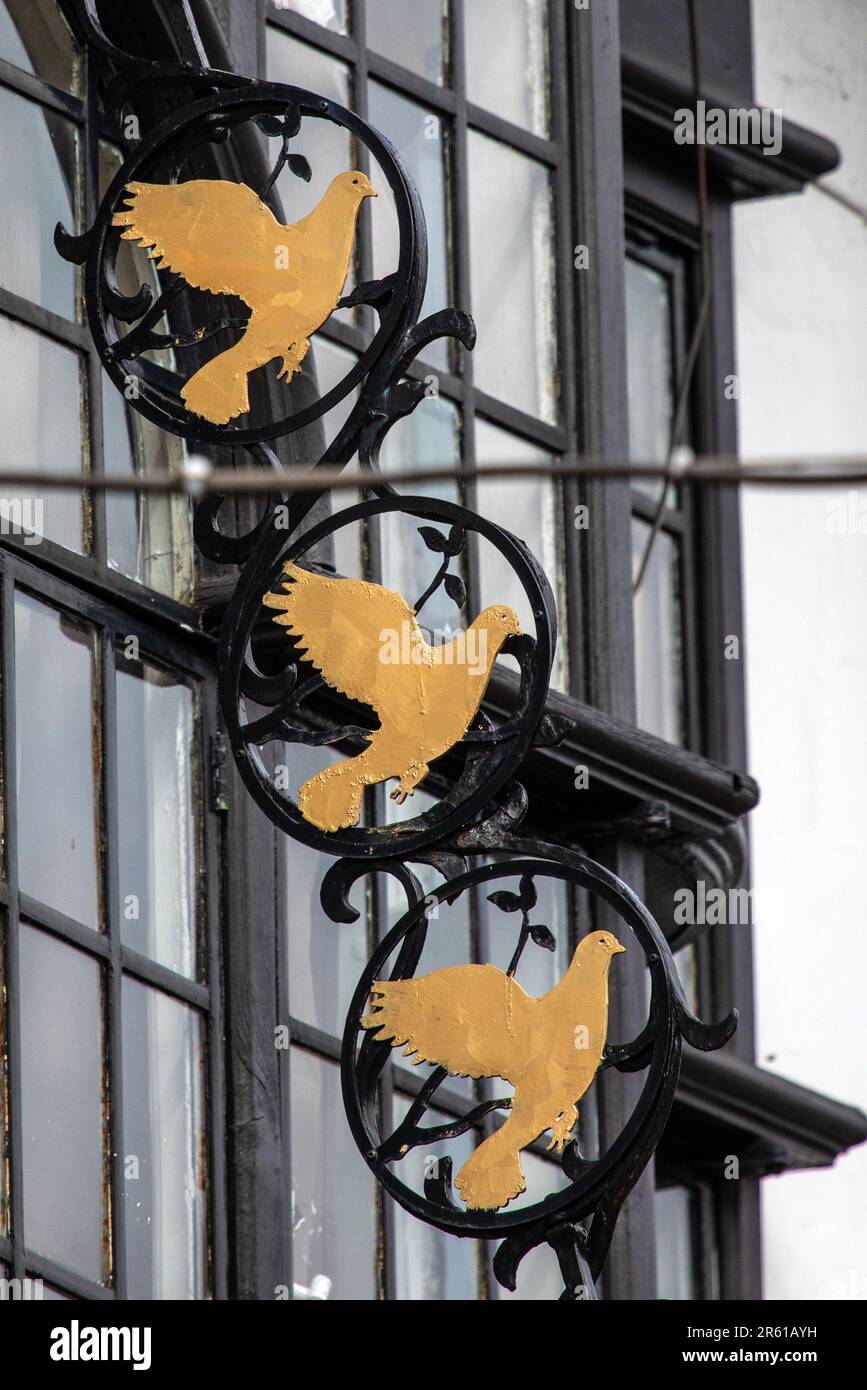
point(618, 949)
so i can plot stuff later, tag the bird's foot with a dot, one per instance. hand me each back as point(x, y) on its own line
point(562, 1129)
point(409, 781)
point(292, 361)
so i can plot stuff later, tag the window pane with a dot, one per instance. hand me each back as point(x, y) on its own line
point(62, 1090)
point(41, 427)
point(331, 14)
point(158, 795)
point(658, 653)
point(149, 536)
point(332, 1192)
point(676, 1273)
point(34, 36)
point(516, 85)
point(417, 41)
point(38, 175)
point(649, 359)
point(539, 970)
point(428, 438)
point(329, 149)
point(325, 957)
point(58, 755)
point(166, 1185)
point(419, 136)
point(512, 275)
point(529, 507)
point(430, 1264)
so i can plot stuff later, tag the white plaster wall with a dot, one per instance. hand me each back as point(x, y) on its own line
point(801, 275)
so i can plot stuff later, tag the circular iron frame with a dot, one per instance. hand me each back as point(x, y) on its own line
point(213, 116)
point(661, 1040)
point(498, 760)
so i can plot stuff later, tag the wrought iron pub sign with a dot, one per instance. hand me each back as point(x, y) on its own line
point(396, 703)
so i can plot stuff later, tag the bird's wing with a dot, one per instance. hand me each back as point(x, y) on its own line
point(218, 235)
point(471, 1019)
point(342, 626)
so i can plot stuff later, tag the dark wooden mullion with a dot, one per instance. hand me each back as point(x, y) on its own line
point(343, 46)
point(13, 937)
point(565, 239)
point(211, 939)
point(460, 211)
point(27, 85)
point(114, 974)
point(72, 335)
point(93, 503)
point(644, 507)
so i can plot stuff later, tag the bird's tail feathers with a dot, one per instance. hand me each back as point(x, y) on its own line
point(218, 392)
point(331, 799)
point(492, 1175)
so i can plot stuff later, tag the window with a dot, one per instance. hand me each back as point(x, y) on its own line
point(657, 328)
point(45, 350)
point(109, 970)
point(111, 1016)
point(487, 156)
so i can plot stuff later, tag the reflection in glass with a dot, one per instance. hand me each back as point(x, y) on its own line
point(62, 1087)
point(418, 42)
point(429, 438)
point(649, 362)
point(676, 1274)
point(149, 535)
point(332, 1195)
point(512, 277)
point(157, 799)
point(165, 1191)
point(41, 428)
point(325, 957)
point(419, 136)
point(57, 760)
point(331, 14)
point(38, 175)
point(658, 650)
point(516, 85)
point(35, 36)
point(430, 1264)
point(328, 148)
point(531, 508)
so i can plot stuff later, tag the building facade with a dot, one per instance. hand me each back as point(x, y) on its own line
point(159, 935)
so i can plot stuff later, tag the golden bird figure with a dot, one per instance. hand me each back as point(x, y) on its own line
point(474, 1020)
point(221, 237)
point(365, 641)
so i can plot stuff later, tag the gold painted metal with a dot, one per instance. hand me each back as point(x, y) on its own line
point(474, 1020)
point(365, 641)
point(221, 237)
